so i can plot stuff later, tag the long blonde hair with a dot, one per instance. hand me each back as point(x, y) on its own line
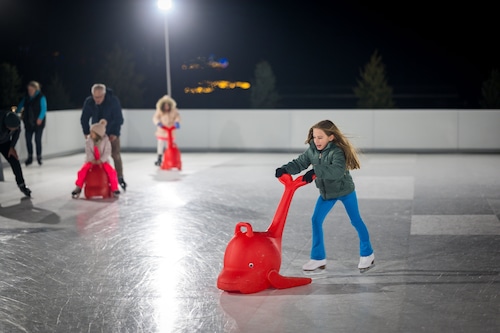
point(350, 152)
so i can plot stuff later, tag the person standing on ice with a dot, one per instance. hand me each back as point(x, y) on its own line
point(33, 110)
point(332, 156)
point(103, 104)
point(165, 116)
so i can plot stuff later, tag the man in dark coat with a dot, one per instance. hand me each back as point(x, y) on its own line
point(103, 104)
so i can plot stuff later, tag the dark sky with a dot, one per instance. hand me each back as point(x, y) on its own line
point(314, 47)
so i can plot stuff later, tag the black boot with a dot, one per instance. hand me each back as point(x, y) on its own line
point(29, 160)
point(25, 190)
point(158, 161)
point(122, 183)
point(39, 160)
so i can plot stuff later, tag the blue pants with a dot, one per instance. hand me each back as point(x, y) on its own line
point(323, 207)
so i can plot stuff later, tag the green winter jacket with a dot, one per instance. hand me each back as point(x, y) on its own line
point(332, 178)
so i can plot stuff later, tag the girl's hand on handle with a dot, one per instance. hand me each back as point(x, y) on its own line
point(280, 172)
point(309, 176)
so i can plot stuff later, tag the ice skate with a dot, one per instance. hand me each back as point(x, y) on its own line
point(76, 193)
point(116, 194)
point(312, 265)
point(365, 263)
point(158, 161)
point(122, 183)
point(25, 190)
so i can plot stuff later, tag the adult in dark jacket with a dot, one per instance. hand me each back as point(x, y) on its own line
point(9, 134)
point(33, 109)
point(103, 104)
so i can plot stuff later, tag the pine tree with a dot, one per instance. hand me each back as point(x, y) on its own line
point(372, 90)
point(263, 92)
point(490, 92)
point(119, 74)
point(57, 95)
point(10, 84)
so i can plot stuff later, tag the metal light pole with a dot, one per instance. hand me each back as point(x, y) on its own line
point(165, 5)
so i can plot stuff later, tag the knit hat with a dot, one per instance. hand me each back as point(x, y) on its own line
point(12, 120)
point(99, 128)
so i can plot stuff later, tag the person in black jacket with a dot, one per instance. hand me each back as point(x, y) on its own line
point(103, 104)
point(9, 134)
point(33, 109)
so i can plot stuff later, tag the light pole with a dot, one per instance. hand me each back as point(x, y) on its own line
point(165, 6)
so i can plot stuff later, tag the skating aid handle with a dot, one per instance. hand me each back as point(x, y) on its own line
point(170, 138)
point(286, 179)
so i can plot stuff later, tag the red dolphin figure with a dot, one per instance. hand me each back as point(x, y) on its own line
point(97, 182)
point(252, 259)
point(171, 155)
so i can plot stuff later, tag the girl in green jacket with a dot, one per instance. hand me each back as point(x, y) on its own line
point(332, 156)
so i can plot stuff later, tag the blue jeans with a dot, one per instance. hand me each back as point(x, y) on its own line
point(323, 207)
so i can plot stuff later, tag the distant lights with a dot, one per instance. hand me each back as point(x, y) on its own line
point(207, 87)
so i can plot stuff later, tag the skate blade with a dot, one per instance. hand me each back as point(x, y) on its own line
point(363, 270)
point(319, 270)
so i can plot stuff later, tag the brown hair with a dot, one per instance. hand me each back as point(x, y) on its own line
point(350, 152)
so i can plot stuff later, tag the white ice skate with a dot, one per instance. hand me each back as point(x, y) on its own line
point(365, 263)
point(314, 264)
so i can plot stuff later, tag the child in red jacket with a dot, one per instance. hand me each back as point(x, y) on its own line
point(97, 151)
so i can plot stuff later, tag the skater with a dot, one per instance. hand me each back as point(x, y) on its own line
point(166, 115)
point(97, 151)
point(332, 156)
point(33, 108)
point(103, 104)
point(9, 134)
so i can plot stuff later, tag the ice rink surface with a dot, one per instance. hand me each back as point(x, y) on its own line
point(149, 261)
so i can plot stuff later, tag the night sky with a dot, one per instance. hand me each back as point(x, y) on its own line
point(315, 48)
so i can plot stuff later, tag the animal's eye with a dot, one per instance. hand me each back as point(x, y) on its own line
point(250, 265)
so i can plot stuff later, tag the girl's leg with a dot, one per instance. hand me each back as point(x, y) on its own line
point(82, 174)
point(160, 147)
point(322, 209)
point(113, 180)
point(350, 202)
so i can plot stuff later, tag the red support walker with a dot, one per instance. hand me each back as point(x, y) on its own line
point(252, 259)
point(172, 154)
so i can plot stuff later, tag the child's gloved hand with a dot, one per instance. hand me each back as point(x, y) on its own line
point(159, 124)
point(280, 172)
point(308, 176)
point(177, 125)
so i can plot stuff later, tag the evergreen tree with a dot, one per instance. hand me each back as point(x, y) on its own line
point(490, 92)
point(57, 95)
point(372, 90)
point(119, 74)
point(10, 84)
point(263, 92)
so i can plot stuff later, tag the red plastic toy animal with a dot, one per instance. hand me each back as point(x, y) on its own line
point(252, 259)
point(97, 183)
point(171, 155)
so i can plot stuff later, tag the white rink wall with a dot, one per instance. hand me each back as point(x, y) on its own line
point(398, 130)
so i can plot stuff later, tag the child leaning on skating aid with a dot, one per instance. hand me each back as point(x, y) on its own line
point(166, 115)
point(97, 151)
point(332, 156)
